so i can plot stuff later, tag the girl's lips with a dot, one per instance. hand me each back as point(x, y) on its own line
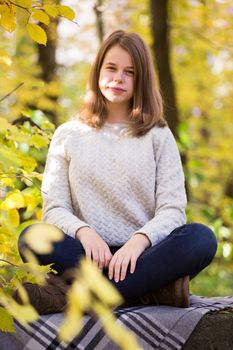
point(114, 89)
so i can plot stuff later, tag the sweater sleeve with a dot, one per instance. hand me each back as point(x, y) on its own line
point(170, 195)
point(57, 203)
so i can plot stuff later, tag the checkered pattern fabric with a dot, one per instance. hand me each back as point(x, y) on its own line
point(156, 327)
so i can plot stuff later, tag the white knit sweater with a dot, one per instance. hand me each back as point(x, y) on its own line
point(116, 184)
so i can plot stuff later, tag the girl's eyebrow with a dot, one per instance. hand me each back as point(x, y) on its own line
point(113, 64)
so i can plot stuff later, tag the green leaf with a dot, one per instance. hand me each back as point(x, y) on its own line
point(37, 33)
point(6, 321)
point(66, 11)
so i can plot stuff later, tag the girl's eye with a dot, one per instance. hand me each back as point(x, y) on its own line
point(130, 72)
point(110, 68)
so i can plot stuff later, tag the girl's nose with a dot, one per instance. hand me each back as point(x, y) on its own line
point(118, 76)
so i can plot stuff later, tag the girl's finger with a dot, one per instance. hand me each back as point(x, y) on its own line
point(110, 268)
point(124, 267)
point(117, 270)
point(95, 257)
point(88, 253)
point(108, 257)
point(133, 264)
point(101, 259)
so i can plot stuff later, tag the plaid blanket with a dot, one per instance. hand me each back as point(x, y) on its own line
point(156, 327)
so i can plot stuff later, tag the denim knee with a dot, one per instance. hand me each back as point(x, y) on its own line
point(206, 240)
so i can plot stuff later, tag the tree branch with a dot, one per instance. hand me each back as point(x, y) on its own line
point(11, 92)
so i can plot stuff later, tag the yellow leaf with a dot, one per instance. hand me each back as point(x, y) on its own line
point(38, 214)
point(13, 201)
point(124, 338)
point(5, 125)
point(66, 11)
point(38, 141)
point(8, 22)
point(24, 3)
point(40, 16)
point(99, 284)
point(7, 322)
point(8, 181)
point(5, 59)
point(79, 295)
point(71, 326)
point(51, 10)
point(4, 8)
point(26, 162)
point(39, 176)
point(13, 217)
point(23, 313)
point(37, 33)
point(47, 234)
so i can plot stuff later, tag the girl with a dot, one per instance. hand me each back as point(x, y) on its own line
point(113, 183)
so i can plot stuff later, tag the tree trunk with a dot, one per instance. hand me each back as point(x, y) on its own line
point(47, 62)
point(98, 8)
point(161, 50)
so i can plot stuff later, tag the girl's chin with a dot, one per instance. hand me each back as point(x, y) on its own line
point(114, 98)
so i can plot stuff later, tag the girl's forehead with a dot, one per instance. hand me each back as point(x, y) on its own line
point(116, 54)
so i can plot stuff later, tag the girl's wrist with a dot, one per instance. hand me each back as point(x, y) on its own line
point(143, 238)
point(78, 232)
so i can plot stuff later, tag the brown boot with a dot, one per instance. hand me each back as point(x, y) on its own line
point(175, 293)
point(47, 299)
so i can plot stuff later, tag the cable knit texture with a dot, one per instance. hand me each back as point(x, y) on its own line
point(117, 184)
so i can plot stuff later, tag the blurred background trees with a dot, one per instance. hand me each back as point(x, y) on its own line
point(191, 45)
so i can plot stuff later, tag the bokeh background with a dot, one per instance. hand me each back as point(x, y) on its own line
point(192, 48)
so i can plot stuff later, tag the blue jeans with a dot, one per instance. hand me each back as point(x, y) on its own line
point(186, 251)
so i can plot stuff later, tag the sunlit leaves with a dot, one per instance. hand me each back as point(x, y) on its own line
point(13, 200)
point(5, 59)
point(66, 11)
point(92, 292)
point(13, 217)
point(8, 23)
point(103, 289)
point(125, 339)
point(51, 10)
point(38, 141)
point(7, 322)
point(8, 17)
point(36, 12)
point(22, 313)
point(37, 33)
point(47, 235)
point(29, 272)
point(40, 16)
point(24, 3)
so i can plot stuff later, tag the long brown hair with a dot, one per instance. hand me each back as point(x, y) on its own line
point(147, 106)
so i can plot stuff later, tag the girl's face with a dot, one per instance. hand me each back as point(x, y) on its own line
point(116, 80)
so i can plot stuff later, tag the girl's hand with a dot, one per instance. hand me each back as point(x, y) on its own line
point(129, 253)
point(95, 247)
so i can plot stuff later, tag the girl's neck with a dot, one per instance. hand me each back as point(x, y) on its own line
point(117, 113)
